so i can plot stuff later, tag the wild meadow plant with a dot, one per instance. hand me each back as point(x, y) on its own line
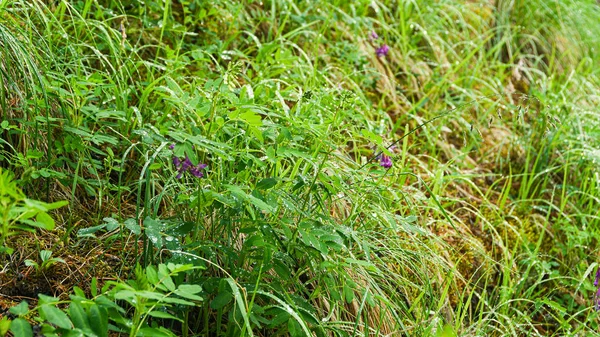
point(229, 173)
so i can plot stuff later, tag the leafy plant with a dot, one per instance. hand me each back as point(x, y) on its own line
point(18, 213)
point(47, 262)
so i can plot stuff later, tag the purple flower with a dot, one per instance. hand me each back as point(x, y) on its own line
point(373, 36)
point(196, 170)
point(597, 281)
point(187, 165)
point(172, 146)
point(382, 51)
point(385, 161)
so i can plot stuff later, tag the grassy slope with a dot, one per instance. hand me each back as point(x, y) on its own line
point(486, 223)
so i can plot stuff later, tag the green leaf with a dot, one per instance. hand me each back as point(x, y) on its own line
point(238, 192)
point(31, 263)
point(20, 327)
point(295, 329)
point(4, 325)
point(94, 287)
point(20, 309)
point(189, 291)
point(222, 299)
point(372, 137)
point(132, 225)
point(45, 254)
point(89, 231)
point(111, 224)
point(153, 332)
point(99, 320)
point(57, 204)
point(152, 231)
point(78, 316)
point(251, 118)
point(266, 184)
point(45, 221)
point(165, 278)
point(55, 316)
point(162, 314)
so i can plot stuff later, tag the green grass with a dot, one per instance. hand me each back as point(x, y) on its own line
point(487, 223)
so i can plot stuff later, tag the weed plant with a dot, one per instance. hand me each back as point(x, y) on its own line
point(283, 168)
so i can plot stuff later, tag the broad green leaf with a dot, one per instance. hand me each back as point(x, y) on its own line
point(165, 278)
point(152, 275)
point(111, 224)
point(132, 225)
point(98, 318)
point(45, 254)
point(20, 309)
point(266, 183)
point(21, 328)
point(31, 263)
point(78, 316)
point(46, 220)
point(55, 316)
point(372, 137)
point(4, 325)
point(221, 300)
point(251, 118)
point(295, 329)
point(152, 231)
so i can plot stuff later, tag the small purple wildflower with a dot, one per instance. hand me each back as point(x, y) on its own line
point(196, 170)
point(187, 165)
point(176, 162)
point(373, 36)
point(597, 295)
point(382, 51)
point(385, 161)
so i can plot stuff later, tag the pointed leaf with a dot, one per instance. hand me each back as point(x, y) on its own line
point(99, 320)
point(78, 316)
point(55, 316)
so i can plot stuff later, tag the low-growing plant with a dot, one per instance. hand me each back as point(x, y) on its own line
point(47, 261)
point(18, 213)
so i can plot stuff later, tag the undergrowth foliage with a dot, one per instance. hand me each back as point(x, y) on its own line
point(282, 168)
